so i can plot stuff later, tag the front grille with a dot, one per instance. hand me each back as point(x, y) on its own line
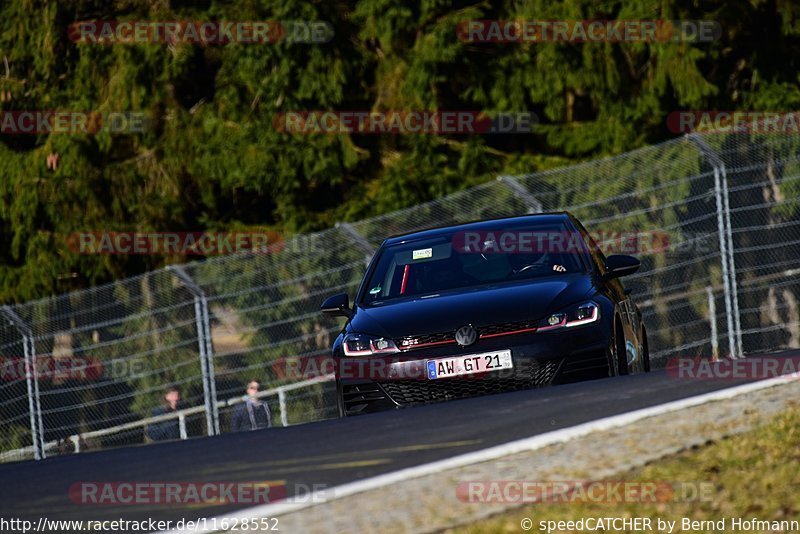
point(535, 374)
point(505, 328)
point(428, 339)
point(449, 337)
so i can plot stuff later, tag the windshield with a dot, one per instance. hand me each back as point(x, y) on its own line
point(470, 259)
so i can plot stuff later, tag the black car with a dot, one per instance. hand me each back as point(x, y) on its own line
point(485, 307)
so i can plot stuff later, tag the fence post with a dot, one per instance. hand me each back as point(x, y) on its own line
point(32, 379)
point(182, 424)
point(212, 377)
point(533, 204)
point(282, 405)
point(76, 443)
point(204, 347)
point(358, 239)
point(712, 318)
point(731, 262)
point(725, 245)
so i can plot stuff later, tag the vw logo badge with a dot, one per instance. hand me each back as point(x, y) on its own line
point(466, 335)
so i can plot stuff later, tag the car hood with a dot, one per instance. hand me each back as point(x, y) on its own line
point(522, 301)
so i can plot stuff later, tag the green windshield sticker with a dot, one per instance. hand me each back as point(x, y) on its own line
point(422, 254)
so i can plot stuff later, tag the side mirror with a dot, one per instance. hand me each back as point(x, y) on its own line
point(337, 305)
point(621, 265)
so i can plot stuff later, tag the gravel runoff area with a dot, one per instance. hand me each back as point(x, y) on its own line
point(429, 503)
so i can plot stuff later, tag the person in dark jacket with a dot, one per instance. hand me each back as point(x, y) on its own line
point(169, 429)
point(252, 414)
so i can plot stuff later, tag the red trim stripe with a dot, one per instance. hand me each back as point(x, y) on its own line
point(509, 333)
point(482, 336)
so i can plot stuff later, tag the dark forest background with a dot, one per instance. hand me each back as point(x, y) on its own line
point(212, 159)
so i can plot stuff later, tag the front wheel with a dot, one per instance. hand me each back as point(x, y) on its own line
point(645, 352)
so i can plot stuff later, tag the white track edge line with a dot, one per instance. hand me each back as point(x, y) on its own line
point(492, 453)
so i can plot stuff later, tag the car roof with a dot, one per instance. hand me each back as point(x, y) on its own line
point(485, 225)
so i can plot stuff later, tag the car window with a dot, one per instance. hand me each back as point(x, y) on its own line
point(596, 255)
point(460, 260)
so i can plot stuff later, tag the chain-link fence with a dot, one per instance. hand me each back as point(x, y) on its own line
point(89, 369)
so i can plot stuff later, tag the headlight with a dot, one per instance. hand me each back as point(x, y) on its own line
point(364, 345)
point(586, 313)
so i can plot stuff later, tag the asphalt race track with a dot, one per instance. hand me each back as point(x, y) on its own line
point(330, 452)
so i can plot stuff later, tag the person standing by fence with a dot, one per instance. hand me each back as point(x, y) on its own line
point(252, 414)
point(169, 429)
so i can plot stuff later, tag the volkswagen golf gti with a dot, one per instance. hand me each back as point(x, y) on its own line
point(485, 307)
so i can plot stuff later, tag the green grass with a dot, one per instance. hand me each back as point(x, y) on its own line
point(751, 475)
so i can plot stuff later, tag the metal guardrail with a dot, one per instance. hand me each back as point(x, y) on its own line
point(76, 439)
point(208, 327)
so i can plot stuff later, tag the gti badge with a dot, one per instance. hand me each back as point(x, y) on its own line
point(466, 335)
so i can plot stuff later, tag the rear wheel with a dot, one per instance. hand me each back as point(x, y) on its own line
point(645, 351)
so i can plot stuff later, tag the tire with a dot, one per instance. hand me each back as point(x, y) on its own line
point(645, 352)
point(340, 400)
point(619, 348)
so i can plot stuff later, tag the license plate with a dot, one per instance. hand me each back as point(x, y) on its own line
point(469, 364)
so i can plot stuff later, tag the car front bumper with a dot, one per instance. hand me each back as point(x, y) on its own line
point(540, 359)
